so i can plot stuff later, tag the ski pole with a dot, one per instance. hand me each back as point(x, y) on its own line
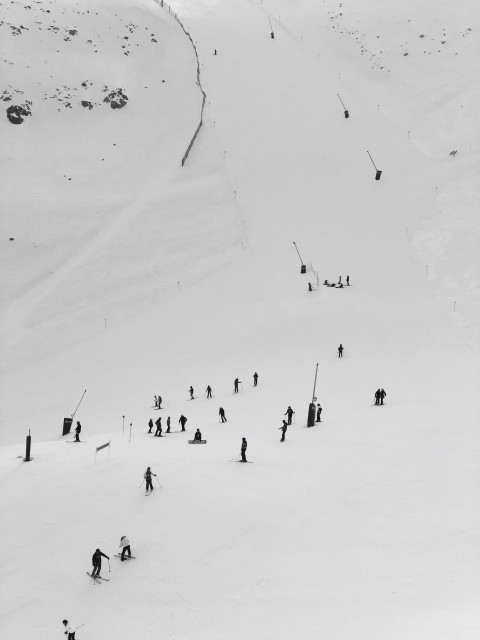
point(158, 482)
point(141, 483)
point(108, 565)
point(78, 626)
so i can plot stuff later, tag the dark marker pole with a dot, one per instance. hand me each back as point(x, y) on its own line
point(379, 173)
point(347, 115)
point(28, 447)
point(311, 406)
point(303, 268)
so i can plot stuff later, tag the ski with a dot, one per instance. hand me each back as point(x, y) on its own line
point(75, 441)
point(197, 442)
point(93, 578)
point(100, 578)
point(246, 461)
point(119, 555)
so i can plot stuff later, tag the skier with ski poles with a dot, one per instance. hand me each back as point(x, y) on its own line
point(289, 412)
point(209, 392)
point(125, 547)
point(284, 430)
point(221, 413)
point(97, 562)
point(69, 630)
point(236, 382)
point(148, 479)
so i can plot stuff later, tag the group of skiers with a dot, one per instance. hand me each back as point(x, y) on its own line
point(339, 284)
point(208, 391)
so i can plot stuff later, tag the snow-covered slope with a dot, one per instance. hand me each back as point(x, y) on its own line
point(363, 526)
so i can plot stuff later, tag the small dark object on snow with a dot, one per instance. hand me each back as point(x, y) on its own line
point(16, 113)
point(116, 99)
point(86, 103)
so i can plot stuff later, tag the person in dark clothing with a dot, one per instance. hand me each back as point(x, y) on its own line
point(326, 282)
point(377, 396)
point(159, 402)
point(348, 281)
point(339, 280)
point(97, 562)
point(168, 425)
point(284, 430)
point(255, 379)
point(383, 393)
point(190, 391)
point(221, 413)
point(236, 382)
point(155, 401)
point(340, 351)
point(310, 286)
point(182, 421)
point(125, 547)
point(78, 429)
point(289, 412)
point(69, 630)
point(150, 425)
point(209, 391)
point(148, 479)
point(158, 423)
point(319, 413)
point(243, 450)
point(198, 435)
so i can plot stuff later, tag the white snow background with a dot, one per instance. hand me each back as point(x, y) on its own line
point(130, 276)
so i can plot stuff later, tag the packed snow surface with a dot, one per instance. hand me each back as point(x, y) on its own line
point(128, 276)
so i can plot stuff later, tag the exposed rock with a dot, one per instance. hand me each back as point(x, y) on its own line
point(116, 98)
point(17, 112)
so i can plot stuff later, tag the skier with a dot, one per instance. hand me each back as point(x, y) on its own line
point(377, 396)
point(150, 426)
point(209, 391)
point(310, 286)
point(348, 281)
point(191, 392)
point(383, 393)
point(215, 52)
point(236, 382)
point(255, 379)
point(221, 413)
point(97, 562)
point(182, 421)
point(198, 436)
point(78, 429)
point(243, 450)
point(339, 280)
point(340, 351)
point(148, 479)
point(158, 423)
point(159, 402)
point(125, 547)
point(289, 412)
point(155, 401)
point(69, 630)
point(168, 425)
point(284, 430)
point(319, 413)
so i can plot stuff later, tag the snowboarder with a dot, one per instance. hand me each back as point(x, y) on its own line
point(158, 423)
point(340, 351)
point(377, 396)
point(69, 630)
point(182, 421)
point(168, 425)
point(148, 479)
point(243, 450)
point(383, 393)
point(289, 412)
point(221, 413)
point(348, 281)
point(97, 562)
point(284, 430)
point(78, 429)
point(125, 547)
point(191, 392)
point(319, 413)
point(236, 382)
point(197, 436)
point(209, 391)
point(150, 426)
point(255, 379)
